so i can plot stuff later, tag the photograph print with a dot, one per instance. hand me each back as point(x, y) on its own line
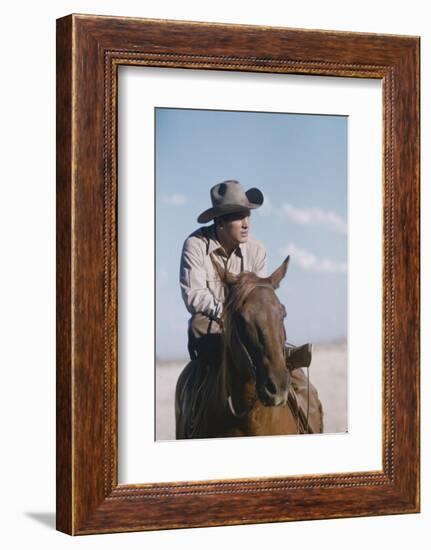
point(251, 274)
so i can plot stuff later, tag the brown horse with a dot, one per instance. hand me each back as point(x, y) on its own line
point(248, 394)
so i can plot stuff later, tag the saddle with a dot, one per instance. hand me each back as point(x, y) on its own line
point(298, 356)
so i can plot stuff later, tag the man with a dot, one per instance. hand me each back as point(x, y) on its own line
point(227, 242)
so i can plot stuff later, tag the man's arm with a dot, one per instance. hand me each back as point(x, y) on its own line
point(193, 281)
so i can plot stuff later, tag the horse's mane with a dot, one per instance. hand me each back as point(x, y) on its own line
point(246, 281)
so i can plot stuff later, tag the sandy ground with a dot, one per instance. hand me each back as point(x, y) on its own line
point(328, 373)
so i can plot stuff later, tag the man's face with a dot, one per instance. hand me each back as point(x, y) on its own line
point(236, 226)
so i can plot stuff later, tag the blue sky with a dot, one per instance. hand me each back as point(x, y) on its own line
point(299, 162)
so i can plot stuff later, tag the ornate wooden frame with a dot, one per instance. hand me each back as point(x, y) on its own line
point(89, 50)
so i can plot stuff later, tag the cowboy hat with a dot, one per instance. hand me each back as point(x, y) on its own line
point(228, 197)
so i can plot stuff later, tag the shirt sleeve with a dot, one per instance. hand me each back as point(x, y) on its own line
point(260, 261)
point(193, 282)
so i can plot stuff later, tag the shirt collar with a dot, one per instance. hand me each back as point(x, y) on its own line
point(214, 243)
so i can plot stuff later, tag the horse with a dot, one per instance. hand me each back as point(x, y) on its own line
point(250, 393)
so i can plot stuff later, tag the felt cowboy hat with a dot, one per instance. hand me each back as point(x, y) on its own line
point(228, 197)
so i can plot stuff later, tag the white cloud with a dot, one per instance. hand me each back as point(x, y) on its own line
point(175, 199)
point(303, 216)
point(308, 261)
point(315, 216)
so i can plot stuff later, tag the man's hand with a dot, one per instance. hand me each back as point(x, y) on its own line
point(218, 320)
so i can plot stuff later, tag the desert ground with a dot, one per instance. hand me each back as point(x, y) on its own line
point(328, 373)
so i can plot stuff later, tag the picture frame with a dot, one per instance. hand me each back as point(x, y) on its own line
point(89, 51)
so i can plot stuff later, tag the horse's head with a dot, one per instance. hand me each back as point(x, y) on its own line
point(254, 330)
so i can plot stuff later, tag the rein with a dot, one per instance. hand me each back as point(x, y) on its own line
point(252, 369)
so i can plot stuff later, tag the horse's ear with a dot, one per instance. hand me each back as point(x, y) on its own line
point(226, 277)
point(276, 277)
